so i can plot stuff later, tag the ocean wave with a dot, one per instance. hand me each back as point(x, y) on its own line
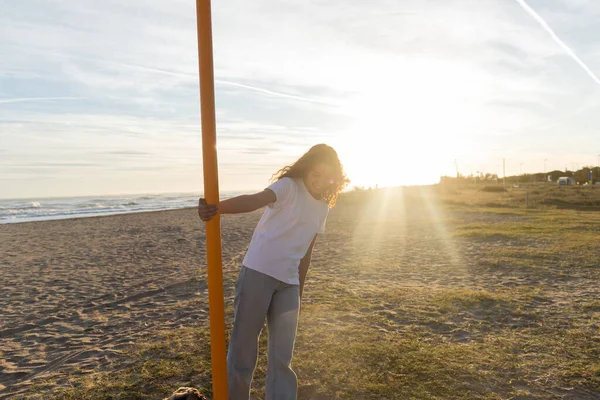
point(93, 205)
point(25, 206)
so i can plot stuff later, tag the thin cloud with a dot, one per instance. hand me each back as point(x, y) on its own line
point(260, 150)
point(127, 153)
point(28, 99)
point(562, 44)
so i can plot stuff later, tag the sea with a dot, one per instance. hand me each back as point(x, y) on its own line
point(42, 209)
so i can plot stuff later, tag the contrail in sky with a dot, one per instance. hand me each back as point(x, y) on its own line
point(562, 44)
point(223, 82)
point(187, 75)
point(269, 92)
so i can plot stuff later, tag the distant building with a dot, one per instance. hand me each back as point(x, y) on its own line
point(565, 181)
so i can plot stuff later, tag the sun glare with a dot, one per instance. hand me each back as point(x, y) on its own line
point(385, 152)
point(408, 123)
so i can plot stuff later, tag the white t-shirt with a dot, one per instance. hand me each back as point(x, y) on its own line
point(286, 231)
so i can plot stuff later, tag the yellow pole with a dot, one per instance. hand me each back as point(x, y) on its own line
point(211, 194)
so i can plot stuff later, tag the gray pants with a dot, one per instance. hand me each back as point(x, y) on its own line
point(258, 296)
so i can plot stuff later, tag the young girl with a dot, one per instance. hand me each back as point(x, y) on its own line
point(273, 273)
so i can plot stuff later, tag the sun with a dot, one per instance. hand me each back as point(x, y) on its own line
point(384, 151)
point(386, 163)
point(406, 124)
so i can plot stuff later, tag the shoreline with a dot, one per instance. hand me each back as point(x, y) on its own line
point(95, 216)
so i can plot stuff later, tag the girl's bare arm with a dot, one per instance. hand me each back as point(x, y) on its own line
point(247, 202)
point(304, 264)
point(236, 205)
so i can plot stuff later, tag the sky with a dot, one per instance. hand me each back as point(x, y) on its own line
point(101, 97)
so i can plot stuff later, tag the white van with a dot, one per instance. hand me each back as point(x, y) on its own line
point(565, 181)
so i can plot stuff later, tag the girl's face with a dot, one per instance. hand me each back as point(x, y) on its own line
point(318, 179)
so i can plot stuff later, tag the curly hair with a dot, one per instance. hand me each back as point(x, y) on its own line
point(320, 153)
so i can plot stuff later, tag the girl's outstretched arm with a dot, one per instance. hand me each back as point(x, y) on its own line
point(247, 202)
point(236, 205)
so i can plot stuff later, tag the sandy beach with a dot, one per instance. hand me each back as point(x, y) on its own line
point(76, 294)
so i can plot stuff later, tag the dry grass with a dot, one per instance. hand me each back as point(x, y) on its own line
point(440, 297)
point(540, 195)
